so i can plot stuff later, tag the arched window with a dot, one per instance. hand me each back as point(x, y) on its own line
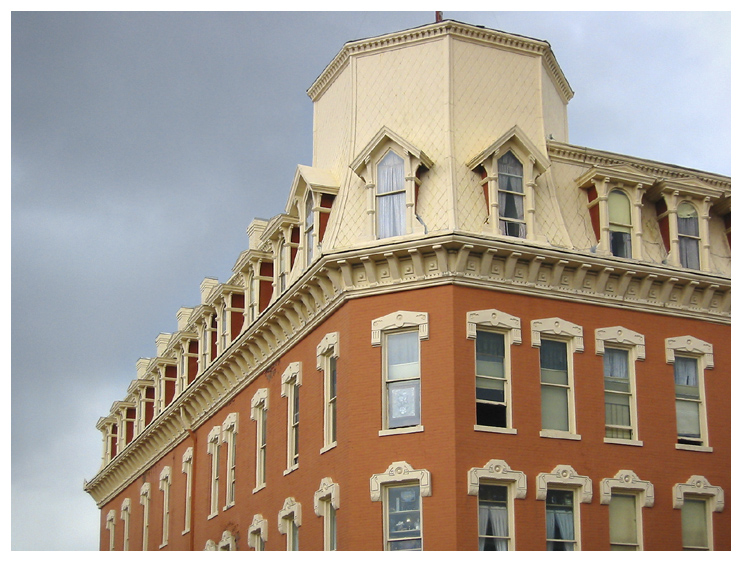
point(390, 196)
point(511, 196)
point(309, 227)
point(619, 223)
point(688, 235)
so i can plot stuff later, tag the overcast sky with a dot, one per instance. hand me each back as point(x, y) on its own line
point(143, 144)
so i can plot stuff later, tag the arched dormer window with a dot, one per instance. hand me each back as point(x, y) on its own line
point(309, 227)
point(390, 196)
point(510, 195)
point(619, 223)
point(688, 236)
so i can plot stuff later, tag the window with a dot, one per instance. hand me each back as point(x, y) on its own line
point(290, 383)
point(289, 521)
point(619, 223)
point(401, 332)
point(257, 534)
point(690, 356)
point(626, 346)
point(697, 499)
point(491, 382)
point(212, 448)
point(494, 527)
point(557, 377)
point(626, 495)
point(144, 501)
point(309, 227)
point(326, 504)
point(229, 436)
point(401, 487)
point(165, 487)
point(560, 520)
point(125, 514)
point(563, 490)
point(327, 356)
point(689, 237)
point(390, 196)
point(111, 527)
point(188, 471)
point(496, 486)
point(511, 196)
point(390, 168)
point(259, 414)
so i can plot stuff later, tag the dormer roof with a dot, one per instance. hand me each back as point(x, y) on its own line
point(317, 179)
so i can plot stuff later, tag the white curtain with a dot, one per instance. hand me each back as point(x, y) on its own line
point(391, 200)
point(493, 521)
point(688, 236)
point(559, 525)
point(403, 355)
point(686, 372)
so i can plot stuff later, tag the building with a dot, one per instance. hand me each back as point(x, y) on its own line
point(464, 332)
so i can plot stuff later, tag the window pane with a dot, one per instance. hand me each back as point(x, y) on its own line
point(510, 166)
point(390, 173)
point(620, 243)
point(693, 515)
point(554, 409)
point(619, 208)
point(617, 409)
point(404, 518)
point(493, 518)
point(616, 363)
point(560, 524)
point(489, 389)
point(553, 355)
point(687, 416)
point(490, 346)
point(687, 219)
point(404, 404)
point(688, 248)
point(622, 512)
point(492, 415)
point(390, 220)
point(686, 377)
point(403, 352)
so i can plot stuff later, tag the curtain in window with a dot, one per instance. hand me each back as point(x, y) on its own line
point(490, 354)
point(686, 372)
point(688, 236)
point(493, 521)
point(510, 195)
point(616, 364)
point(403, 355)
point(560, 525)
point(390, 190)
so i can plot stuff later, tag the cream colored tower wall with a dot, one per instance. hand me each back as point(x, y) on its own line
point(554, 110)
point(561, 215)
point(333, 121)
point(492, 90)
point(721, 259)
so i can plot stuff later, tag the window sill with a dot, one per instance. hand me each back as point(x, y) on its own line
point(699, 448)
point(212, 515)
point(163, 545)
point(558, 434)
point(401, 430)
point(185, 532)
point(290, 469)
point(226, 507)
point(614, 441)
point(490, 429)
point(328, 447)
point(258, 488)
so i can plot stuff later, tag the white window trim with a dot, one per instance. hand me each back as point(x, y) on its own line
point(698, 487)
point(564, 477)
point(401, 320)
point(258, 529)
point(619, 337)
point(125, 514)
point(509, 326)
point(290, 514)
point(258, 405)
point(210, 546)
point(497, 472)
point(111, 526)
point(326, 497)
point(144, 501)
point(561, 330)
point(212, 449)
point(187, 469)
point(290, 383)
point(227, 542)
point(229, 436)
point(400, 472)
point(327, 349)
point(703, 352)
point(165, 487)
point(628, 483)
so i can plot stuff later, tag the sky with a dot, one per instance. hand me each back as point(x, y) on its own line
point(144, 143)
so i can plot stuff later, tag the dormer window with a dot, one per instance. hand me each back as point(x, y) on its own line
point(390, 196)
point(688, 236)
point(390, 168)
point(309, 227)
point(510, 196)
point(619, 223)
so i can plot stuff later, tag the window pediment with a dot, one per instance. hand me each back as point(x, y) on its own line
point(515, 136)
point(620, 174)
point(318, 180)
point(377, 144)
